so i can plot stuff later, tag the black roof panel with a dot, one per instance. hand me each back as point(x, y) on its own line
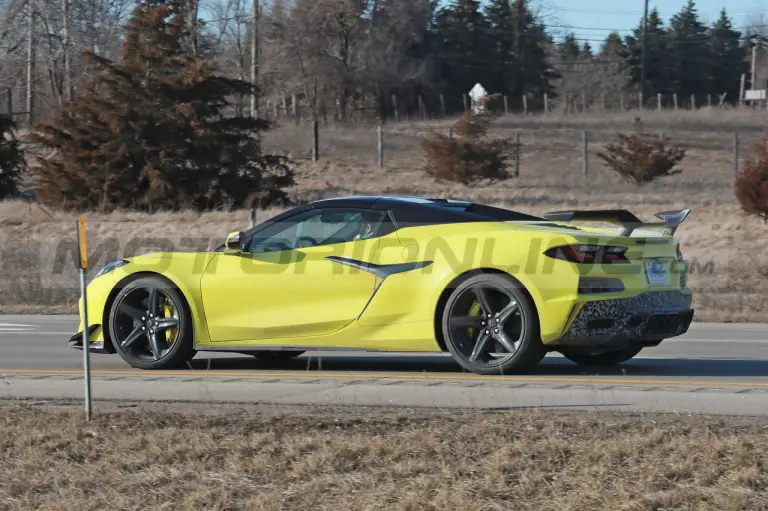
point(425, 211)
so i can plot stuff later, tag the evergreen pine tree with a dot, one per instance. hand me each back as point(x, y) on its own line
point(152, 132)
point(613, 46)
point(502, 29)
point(569, 48)
point(658, 61)
point(534, 71)
point(689, 52)
point(11, 158)
point(520, 42)
point(462, 42)
point(728, 58)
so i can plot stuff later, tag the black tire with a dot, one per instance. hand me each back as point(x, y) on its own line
point(467, 343)
point(277, 356)
point(129, 316)
point(601, 359)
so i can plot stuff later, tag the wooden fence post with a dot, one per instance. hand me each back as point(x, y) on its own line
point(517, 154)
point(546, 104)
point(394, 106)
point(380, 145)
point(506, 105)
point(315, 140)
point(442, 105)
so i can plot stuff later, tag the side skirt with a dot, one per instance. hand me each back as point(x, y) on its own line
point(251, 347)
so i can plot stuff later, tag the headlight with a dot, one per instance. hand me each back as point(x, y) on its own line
point(111, 266)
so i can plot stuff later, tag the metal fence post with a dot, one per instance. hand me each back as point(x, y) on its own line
point(82, 267)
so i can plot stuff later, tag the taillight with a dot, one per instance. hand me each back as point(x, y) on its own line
point(589, 254)
point(679, 253)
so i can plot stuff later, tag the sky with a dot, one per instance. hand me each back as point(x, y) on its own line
point(594, 19)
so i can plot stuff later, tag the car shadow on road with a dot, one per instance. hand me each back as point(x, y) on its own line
point(437, 364)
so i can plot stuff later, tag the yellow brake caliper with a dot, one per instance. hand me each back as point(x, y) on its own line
point(169, 311)
point(474, 310)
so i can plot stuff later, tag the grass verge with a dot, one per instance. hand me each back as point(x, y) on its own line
point(232, 457)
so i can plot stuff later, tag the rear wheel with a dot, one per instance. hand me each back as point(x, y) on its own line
point(602, 358)
point(150, 325)
point(490, 326)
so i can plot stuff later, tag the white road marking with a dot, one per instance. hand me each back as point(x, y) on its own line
point(741, 341)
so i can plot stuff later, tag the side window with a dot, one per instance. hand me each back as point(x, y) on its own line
point(318, 227)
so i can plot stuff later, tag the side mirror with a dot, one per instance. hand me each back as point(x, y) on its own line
point(234, 241)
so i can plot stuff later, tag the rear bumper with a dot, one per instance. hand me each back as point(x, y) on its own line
point(97, 346)
point(646, 319)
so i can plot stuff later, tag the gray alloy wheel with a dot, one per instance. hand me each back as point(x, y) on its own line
point(490, 326)
point(602, 358)
point(150, 325)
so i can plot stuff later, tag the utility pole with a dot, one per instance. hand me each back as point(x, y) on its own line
point(754, 65)
point(255, 69)
point(67, 56)
point(644, 56)
point(255, 58)
point(30, 59)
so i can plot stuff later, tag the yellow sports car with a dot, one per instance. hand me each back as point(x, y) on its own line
point(498, 289)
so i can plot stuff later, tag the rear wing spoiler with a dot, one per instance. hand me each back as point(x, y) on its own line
point(626, 220)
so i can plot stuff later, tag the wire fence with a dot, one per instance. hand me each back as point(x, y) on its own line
point(379, 145)
point(434, 106)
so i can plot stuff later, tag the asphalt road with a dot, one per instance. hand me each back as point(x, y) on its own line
point(713, 369)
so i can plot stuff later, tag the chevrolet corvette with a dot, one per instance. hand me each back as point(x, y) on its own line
point(496, 289)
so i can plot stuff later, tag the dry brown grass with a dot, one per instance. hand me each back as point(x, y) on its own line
point(296, 458)
point(730, 250)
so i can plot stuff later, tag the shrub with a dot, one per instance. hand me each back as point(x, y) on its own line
point(469, 155)
point(11, 158)
point(642, 157)
point(751, 186)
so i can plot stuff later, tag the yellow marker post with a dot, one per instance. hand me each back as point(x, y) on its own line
point(82, 249)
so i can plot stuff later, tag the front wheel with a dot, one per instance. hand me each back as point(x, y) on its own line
point(490, 326)
point(602, 359)
point(150, 325)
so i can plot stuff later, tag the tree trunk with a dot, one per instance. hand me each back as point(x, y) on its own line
point(30, 60)
point(67, 55)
